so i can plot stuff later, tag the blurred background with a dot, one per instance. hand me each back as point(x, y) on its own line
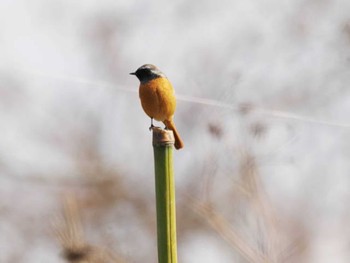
point(263, 109)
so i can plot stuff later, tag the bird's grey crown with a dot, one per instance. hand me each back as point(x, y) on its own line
point(148, 72)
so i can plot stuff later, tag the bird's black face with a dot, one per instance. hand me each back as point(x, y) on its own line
point(147, 72)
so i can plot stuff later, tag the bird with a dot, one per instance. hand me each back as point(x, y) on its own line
point(158, 99)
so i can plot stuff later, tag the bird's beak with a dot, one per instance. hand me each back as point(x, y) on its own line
point(132, 73)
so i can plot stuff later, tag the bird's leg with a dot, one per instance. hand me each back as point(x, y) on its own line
point(152, 126)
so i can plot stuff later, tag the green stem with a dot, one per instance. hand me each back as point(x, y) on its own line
point(165, 195)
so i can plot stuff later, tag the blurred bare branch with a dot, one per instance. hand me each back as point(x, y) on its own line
point(75, 248)
point(227, 232)
point(267, 240)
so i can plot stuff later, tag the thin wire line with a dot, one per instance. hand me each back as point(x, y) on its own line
point(208, 102)
point(198, 100)
point(77, 80)
point(291, 116)
point(271, 113)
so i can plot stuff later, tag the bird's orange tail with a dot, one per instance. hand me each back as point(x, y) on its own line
point(171, 126)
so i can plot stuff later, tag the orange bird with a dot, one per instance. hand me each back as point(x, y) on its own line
point(158, 98)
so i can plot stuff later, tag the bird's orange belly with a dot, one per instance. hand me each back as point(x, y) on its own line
point(158, 99)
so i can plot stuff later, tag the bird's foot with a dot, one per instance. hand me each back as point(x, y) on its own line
point(152, 127)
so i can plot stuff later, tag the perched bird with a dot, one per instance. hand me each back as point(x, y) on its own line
point(158, 98)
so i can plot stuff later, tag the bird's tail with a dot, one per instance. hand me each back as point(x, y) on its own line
point(171, 126)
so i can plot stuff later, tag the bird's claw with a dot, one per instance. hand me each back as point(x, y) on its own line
point(152, 127)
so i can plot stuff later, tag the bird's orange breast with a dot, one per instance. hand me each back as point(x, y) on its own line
point(158, 98)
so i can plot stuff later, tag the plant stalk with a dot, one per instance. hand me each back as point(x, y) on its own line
point(163, 141)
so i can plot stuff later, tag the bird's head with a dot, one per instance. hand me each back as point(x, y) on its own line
point(148, 72)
